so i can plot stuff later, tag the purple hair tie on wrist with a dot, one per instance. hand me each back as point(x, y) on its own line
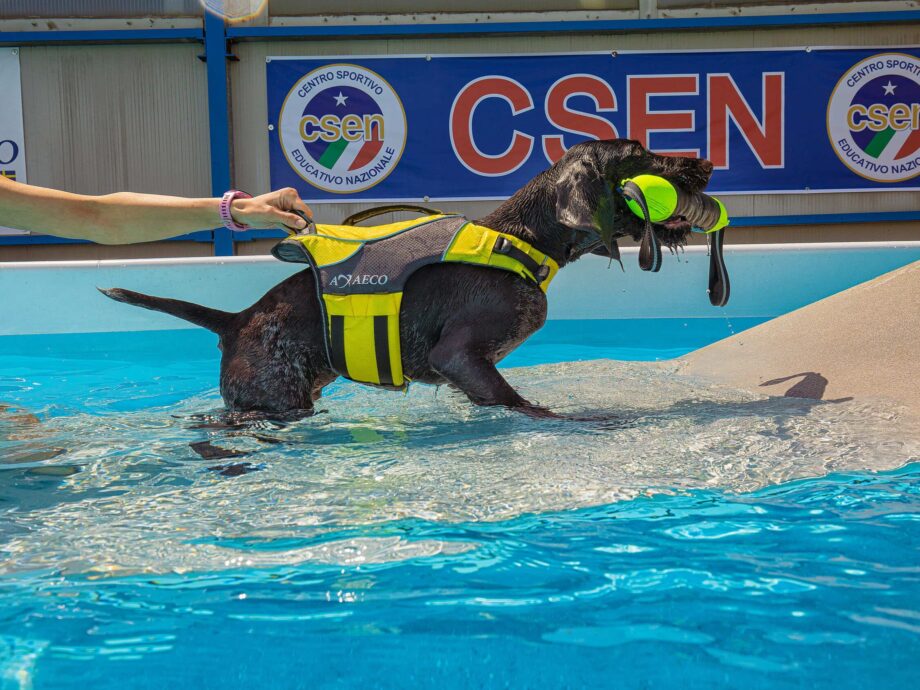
point(225, 216)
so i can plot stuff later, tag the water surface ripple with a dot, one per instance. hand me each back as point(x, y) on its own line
point(700, 537)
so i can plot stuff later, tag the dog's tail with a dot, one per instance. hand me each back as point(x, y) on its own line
point(212, 319)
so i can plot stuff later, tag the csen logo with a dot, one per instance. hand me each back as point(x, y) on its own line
point(873, 118)
point(342, 128)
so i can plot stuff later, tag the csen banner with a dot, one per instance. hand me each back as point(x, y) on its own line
point(12, 156)
point(479, 127)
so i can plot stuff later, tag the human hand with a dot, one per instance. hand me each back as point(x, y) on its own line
point(272, 210)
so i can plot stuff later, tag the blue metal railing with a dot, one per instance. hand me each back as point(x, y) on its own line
point(215, 36)
point(15, 240)
point(592, 26)
point(45, 37)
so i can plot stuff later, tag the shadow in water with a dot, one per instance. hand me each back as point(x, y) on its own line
point(703, 411)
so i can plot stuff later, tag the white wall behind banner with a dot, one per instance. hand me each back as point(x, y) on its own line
point(12, 141)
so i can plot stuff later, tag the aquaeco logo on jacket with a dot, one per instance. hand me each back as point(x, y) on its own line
point(343, 280)
point(873, 117)
point(342, 128)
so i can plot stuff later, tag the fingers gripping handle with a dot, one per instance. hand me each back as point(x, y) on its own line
point(310, 228)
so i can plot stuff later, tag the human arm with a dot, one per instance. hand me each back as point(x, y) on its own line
point(127, 217)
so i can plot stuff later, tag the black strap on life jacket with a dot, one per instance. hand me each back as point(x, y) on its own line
point(503, 246)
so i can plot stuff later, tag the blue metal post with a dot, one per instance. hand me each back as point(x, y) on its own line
point(215, 50)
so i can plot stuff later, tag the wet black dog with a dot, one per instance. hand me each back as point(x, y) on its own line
point(457, 321)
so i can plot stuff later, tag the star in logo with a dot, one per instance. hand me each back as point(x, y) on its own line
point(340, 99)
point(889, 88)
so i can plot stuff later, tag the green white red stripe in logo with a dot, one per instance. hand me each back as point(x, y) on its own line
point(349, 155)
point(900, 144)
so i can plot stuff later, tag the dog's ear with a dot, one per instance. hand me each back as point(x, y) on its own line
point(580, 189)
point(585, 201)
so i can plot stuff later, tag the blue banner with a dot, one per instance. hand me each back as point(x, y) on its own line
point(479, 127)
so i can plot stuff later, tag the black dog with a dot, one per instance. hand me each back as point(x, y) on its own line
point(457, 321)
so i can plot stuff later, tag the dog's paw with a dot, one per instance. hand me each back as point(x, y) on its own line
point(236, 469)
point(211, 452)
point(537, 412)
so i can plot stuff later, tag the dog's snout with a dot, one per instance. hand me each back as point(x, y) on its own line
point(706, 165)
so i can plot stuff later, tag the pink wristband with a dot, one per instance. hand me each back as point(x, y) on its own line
point(225, 216)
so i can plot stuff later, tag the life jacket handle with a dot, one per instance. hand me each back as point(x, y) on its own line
point(361, 216)
point(309, 228)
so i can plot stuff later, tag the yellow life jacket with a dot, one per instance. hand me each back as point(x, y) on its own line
point(361, 273)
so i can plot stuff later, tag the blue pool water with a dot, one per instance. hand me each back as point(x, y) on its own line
point(101, 372)
point(712, 539)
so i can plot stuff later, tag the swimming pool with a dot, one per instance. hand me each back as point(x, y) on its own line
point(707, 538)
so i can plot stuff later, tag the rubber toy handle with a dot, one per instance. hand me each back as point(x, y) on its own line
point(719, 287)
point(649, 247)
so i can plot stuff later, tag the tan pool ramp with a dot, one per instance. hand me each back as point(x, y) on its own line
point(860, 343)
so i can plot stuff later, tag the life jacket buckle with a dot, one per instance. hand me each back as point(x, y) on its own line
point(505, 247)
point(502, 245)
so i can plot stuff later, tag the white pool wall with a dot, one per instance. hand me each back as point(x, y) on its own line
point(766, 280)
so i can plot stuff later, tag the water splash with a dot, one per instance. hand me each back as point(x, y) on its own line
point(143, 501)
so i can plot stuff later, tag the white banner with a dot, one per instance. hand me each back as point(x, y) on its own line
point(12, 141)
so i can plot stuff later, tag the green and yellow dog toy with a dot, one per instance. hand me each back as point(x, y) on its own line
point(655, 200)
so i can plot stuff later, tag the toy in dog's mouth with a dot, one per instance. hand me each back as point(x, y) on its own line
point(675, 212)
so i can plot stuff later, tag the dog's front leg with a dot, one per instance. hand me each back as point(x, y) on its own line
point(457, 357)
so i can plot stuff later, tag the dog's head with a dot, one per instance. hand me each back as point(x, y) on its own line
point(588, 175)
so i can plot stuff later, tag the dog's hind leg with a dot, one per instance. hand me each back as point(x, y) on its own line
point(455, 358)
point(322, 380)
